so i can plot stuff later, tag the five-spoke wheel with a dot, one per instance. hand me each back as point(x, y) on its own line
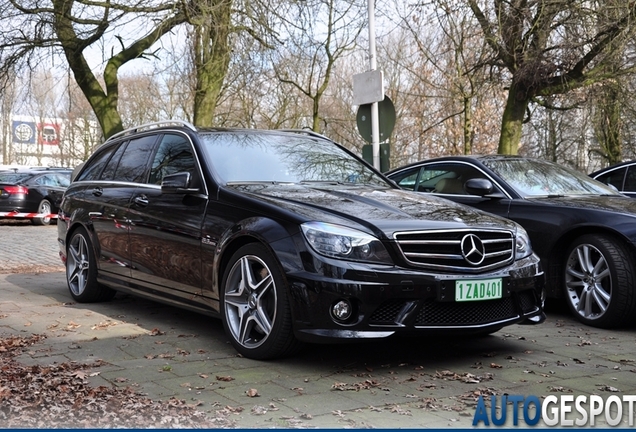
point(255, 309)
point(81, 270)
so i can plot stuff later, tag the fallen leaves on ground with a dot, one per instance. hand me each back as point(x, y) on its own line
point(60, 396)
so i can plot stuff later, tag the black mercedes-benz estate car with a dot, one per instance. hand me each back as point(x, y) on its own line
point(287, 237)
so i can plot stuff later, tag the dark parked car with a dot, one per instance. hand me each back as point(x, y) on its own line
point(287, 236)
point(622, 176)
point(30, 192)
point(583, 231)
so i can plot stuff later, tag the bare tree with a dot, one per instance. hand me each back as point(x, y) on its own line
point(126, 30)
point(550, 47)
point(316, 34)
point(7, 102)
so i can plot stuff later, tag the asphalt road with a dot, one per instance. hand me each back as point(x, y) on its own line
point(165, 352)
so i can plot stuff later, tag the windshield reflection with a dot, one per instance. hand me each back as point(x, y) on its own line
point(534, 178)
point(247, 157)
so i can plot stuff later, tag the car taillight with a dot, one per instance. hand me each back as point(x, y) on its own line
point(16, 189)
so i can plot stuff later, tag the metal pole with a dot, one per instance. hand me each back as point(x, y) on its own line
point(375, 122)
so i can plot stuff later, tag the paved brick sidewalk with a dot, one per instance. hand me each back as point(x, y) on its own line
point(166, 352)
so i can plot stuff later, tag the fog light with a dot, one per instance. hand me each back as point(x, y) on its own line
point(342, 310)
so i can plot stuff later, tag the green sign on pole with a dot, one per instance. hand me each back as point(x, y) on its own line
point(386, 114)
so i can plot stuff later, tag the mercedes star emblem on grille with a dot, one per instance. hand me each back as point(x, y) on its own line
point(473, 249)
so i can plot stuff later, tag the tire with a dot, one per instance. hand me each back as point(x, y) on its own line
point(254, 305)
point(81, 270)
point(599, 281)
point(43, 208)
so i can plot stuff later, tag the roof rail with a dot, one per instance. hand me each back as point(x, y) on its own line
point(153, 125)
point(307, 132)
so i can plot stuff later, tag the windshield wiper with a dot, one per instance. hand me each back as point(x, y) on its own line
point(258, 182)
point(326, 182)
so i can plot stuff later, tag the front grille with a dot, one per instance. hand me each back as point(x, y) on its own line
point(453, 314)
point(450, 250)
point(435, 313)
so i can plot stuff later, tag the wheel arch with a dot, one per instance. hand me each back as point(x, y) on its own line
point(74, 226)
point(272, 235)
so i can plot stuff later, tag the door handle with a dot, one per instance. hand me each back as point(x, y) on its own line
point(141, 200)
point(98, 191)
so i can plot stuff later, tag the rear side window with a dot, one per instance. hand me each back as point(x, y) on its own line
point(96, 164)
point(630, 180)
point(614, 178)
point(133, 165)
point(175, 155)
point(111, 166)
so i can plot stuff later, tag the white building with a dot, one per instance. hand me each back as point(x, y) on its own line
point(31, 141)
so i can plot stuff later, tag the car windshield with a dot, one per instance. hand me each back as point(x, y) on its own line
point(534, 177)
point(249, 157)
point(13, 177)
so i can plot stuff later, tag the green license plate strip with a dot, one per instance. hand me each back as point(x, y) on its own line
point(476, 290)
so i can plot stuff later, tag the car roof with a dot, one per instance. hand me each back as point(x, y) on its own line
point(180, 124)
point(472, 158)
point(612, 168)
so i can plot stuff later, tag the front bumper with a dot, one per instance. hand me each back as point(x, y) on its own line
point(386, 301)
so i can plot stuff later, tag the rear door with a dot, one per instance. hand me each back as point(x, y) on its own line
point(108, 200)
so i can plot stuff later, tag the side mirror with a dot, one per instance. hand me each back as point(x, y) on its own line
point(482, 187)
point(177, 183)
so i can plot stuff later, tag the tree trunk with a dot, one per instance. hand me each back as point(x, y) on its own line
point(468, 126)
point(211, 58)
point(512, 120)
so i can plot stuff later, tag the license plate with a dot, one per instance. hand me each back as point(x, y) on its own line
point(475, 290)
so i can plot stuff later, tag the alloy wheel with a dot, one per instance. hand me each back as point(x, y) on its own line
point(250, 301)
point(588, 281)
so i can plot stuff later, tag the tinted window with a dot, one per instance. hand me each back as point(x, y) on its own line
point(111, 166)
point(174, 155)
point(96, 164)
point(11, 177)
point(133, 164)
point(630, 180)
point(614, 178)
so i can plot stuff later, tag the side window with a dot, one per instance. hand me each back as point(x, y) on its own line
point(63, 181)
point(133, 165)
point(630, 179)
point(174, 155)
point(111, 166)
point(95, 165)
point(614, 178)
point(447, 178)
point(44, 180)
point(407, 179)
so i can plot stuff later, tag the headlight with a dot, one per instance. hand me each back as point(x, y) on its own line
point(522, 244)
point(337, 241)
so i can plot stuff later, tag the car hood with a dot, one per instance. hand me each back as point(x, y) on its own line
point(610, 203)
point(389, 210)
